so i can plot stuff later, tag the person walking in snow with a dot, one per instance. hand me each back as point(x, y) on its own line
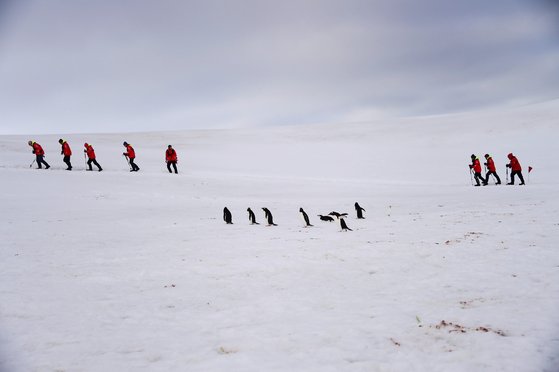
point(91, 155)
point(492, 170)
point(131, 155)
point(516, 169)
point(39, 154)
point(67, 152)
point(477, 170)
point(171, 158)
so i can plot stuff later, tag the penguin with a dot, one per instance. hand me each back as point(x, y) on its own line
point(343, 225)
point(252, 217)
point(269, 217)
point(227, 216)
point(337, 215)
point(326, 218)
point(305, 217)
point(359, 211)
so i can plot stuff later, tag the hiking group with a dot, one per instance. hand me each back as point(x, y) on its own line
point(491, 170)
point(171, 157)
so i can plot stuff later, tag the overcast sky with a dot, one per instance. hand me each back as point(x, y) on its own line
point(70, 66)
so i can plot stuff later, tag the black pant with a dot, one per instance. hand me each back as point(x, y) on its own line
point(174, 163)
point(94, 162)
point(478, 177)
point(494, 174)
point(67, 161)
point(135, 168)
point(514, 173)
point(41, 160)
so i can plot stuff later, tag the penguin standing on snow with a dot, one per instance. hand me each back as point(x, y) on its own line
point(227, 216)
point(252, 217)
point(269, 217)
point(359, 211)
point(343, 225)
point(305, 217)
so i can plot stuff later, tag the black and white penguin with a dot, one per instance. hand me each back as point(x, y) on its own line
point(269, 217)
point(305, 217)
point(359, 211)
point(337, 215)
point(343, 225)
point(326, 218)
point(252, 217)
point(227, 216)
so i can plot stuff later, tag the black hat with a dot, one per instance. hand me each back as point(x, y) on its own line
point(473, 156)
point(60, 140)
point(169, 146)
point(124, 143)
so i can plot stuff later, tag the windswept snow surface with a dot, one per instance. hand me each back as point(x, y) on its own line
point(119, 271)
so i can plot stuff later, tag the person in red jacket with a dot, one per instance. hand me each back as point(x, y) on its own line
point(516, 169)
point(171, 158)
point(91, 155)
point(39, 154)
point(67, 152)
point(131, 155)
point(477, 170)
point(492, 170)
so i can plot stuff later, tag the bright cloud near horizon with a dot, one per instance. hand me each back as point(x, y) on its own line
point(70, 66)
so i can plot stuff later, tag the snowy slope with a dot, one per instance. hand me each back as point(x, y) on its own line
point(120, 271)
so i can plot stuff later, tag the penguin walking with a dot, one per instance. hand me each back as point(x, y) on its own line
point(269, 217)
point(252, 217)
point(227, 216)
point(359, 211)
point(326, 218)
point(343, 225)
point(305, 217)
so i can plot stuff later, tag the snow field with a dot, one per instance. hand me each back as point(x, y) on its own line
point(137, 271)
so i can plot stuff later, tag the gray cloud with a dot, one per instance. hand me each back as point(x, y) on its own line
point(77, 66)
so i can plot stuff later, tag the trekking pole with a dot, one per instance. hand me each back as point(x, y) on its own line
point(127, 161)
point(30, 165)
point(85, 160)
point(471, 177)
point(507, 174)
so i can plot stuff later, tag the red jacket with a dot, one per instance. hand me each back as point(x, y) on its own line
point(171, 155)
point(130, 152)
point(66, 149)
point(90, 151)
point(37, 149)
point(491, 164)
point(514, 163)
point(476, 165)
